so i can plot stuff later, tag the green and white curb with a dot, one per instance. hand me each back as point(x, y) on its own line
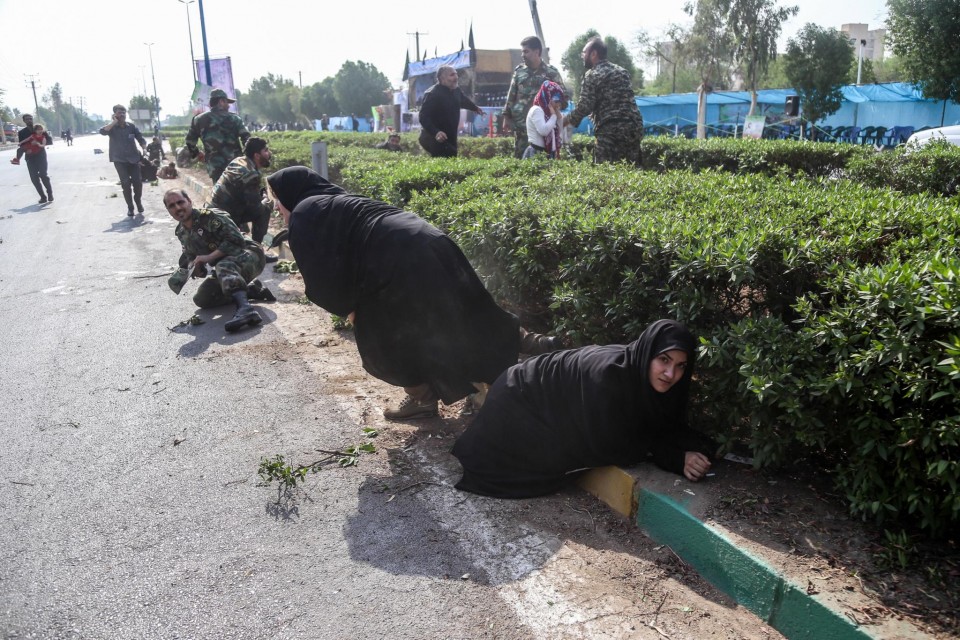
point(647, 499)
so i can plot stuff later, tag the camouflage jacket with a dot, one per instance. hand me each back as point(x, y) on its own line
point(607, 96)
point(524, 87)
point(239, 188)
point(223, 135)
point(212, 229)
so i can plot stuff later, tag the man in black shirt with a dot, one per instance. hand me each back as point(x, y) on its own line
point(36, 160)
point(440, 114)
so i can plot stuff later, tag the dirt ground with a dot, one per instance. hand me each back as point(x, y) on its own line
point(792, 520)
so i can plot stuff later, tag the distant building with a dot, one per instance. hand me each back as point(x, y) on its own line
point(874, 38)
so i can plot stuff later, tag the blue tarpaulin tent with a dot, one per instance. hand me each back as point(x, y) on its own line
point(889, 104)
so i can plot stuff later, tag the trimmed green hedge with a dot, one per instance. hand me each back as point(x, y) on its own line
point(827, 304)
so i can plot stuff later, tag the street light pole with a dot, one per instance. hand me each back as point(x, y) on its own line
point(206, 54)
point(193, 61)
point(156, 102)
point(860, 60)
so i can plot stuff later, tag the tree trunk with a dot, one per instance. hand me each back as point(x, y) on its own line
point(753, 102)
point(701, 112)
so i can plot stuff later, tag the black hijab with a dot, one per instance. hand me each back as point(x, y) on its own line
point(594, 406)
point(294, 184)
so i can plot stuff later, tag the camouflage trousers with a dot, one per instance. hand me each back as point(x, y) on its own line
point(520, 143)
point(257, 217)
point(619, 141)
point(233, 273)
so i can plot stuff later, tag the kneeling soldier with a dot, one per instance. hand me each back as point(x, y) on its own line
point(209, 237)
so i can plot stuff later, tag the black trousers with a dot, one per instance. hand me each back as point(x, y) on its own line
point(129, 173)
point(37, 168)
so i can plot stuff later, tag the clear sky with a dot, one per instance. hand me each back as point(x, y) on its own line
point(96, 49)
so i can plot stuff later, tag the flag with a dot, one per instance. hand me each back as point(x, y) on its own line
point(470, 38)
point(406, 66)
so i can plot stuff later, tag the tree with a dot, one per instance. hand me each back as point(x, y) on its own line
point(617, 53)
point(54, 97)
point(925, 35)
point(272, 99)
point(674, 72)
point(143, 102)
point(709, 48)
point(890, 69)
point(754, 27)
point(358, 86)
point(318, 99)
point(817, 63)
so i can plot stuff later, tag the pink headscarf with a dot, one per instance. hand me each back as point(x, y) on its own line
point(550, 91)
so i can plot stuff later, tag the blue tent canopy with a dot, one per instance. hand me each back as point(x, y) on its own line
point(888, 105)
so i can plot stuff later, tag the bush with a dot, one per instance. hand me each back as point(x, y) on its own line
point(827, 307)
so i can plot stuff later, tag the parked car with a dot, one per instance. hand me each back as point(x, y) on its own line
point(950, 134)
point(10, 131)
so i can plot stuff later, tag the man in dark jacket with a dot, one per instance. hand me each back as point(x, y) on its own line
point(440, 114)
point(36, 160)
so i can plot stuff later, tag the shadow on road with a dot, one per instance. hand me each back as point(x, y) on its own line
point(212, 331)
point(128, 224)
point(33, 208)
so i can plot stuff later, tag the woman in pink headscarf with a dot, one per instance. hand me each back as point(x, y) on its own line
point(545, 122)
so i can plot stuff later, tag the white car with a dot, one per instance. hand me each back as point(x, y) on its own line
point(950, 134)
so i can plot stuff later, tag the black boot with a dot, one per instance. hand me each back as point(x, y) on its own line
point(245, 315)
point(256, 291)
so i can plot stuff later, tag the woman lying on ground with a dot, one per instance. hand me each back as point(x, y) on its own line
point(554, 415)
point(422, 318)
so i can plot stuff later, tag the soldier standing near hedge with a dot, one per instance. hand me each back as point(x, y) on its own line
point(527, 79)
point(607, 96)
point(222, 132)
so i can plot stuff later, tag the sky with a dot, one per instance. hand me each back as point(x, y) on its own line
point(97, 50)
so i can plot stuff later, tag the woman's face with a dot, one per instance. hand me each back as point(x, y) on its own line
point(666, 369)
point(276, 203)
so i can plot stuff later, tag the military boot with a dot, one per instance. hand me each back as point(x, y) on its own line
point(245, 315)
point(256, 291)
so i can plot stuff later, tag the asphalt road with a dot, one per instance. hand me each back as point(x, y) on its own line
point(129, 449)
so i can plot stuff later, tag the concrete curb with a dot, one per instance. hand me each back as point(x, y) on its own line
point(750, 581)
point(202, 189)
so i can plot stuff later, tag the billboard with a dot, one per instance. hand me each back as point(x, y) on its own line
point(221, 77)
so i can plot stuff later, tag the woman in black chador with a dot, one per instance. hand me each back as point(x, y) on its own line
point(563, 412)
point(422, 318)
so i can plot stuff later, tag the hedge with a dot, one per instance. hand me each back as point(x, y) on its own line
point(827, 307)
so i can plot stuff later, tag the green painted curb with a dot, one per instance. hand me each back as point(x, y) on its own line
point(748, 580)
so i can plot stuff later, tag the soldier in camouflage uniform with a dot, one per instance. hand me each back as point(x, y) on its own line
point(527, 80)
point(239, 190)
point(607, 97)
point(209, 237)
point(222, 132)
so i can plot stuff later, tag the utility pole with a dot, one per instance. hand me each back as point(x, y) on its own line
point(418, 34)
point(193, 62)
point(36, 105)
point(539, 30)
point(300, 73)
point(156, 102)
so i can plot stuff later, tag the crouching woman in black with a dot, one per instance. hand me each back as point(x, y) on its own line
point(559, 413)
point(422, 318)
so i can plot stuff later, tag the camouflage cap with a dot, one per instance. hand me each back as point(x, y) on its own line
point(217, 94)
